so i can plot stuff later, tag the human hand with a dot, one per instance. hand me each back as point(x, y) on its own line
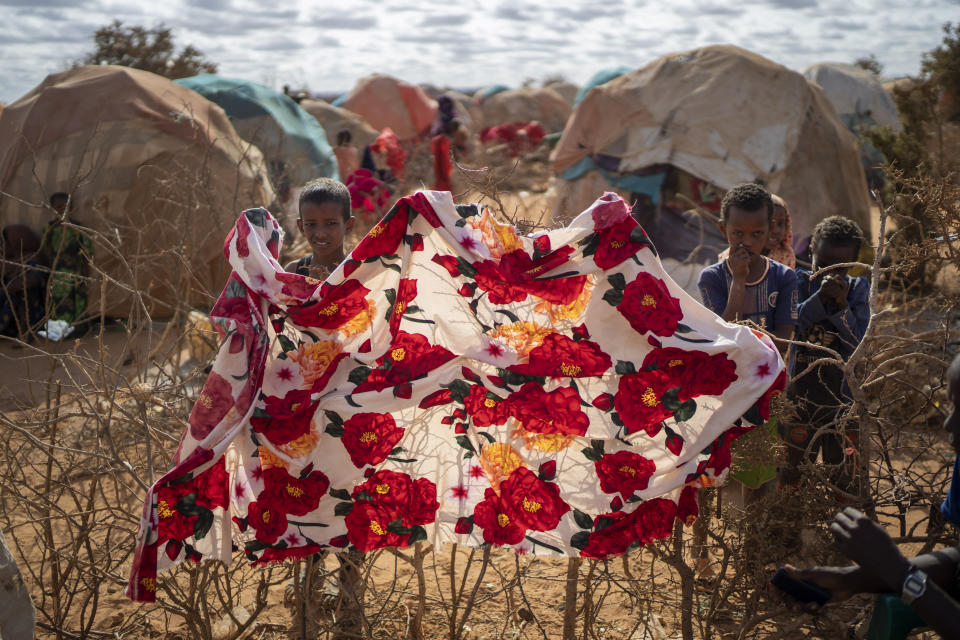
point(834, 289)
point(866, 543)
point(739, 263)
point(838, 581)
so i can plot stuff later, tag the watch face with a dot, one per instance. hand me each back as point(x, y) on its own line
point(913, 584)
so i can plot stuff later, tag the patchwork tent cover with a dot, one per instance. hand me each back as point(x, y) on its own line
point(386, 102)
point(336, 119)
point(857, 95)
point(724, 115)
point(545, 106)
point(292, 141)
point(152, 166)
point(454, 382)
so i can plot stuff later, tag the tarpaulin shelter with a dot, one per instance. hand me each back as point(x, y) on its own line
point(719, 115)
point(856, 94)
point(567, 90)
point(292, 141)
point(155, 171)
point(599, 78)
point(336, 119)
point(384, 102)
point(545, 106)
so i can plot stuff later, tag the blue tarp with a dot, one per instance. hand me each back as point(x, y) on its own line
point(493, 90)
point(296, 150)
point(649, 184)
point(599, 78)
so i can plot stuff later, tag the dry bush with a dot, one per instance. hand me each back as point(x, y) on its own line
point(98, 419)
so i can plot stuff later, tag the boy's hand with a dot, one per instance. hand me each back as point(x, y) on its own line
point(866, 543)
point(834, 289)
point(739, 262)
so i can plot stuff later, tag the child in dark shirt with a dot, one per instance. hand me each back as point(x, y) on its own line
point(747, 285)
point(325, 219)
point(834, 312)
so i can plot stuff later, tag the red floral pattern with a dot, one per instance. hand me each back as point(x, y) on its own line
point(556, 411)
point(648, 306)
point(369, 437)
point(544, 438)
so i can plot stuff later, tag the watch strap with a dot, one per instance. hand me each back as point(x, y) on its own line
point(914, 586)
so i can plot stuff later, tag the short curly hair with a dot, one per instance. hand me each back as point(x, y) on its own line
point(324, 190)
point(748, 196)
point(838, 231)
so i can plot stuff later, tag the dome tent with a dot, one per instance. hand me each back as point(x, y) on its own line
point(386, 102)
point(723, 116)
point(154, 170)
point(336, 119)
point(545, 106)
point(292, 141)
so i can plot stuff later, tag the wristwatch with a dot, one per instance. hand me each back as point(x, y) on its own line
point(914, 586)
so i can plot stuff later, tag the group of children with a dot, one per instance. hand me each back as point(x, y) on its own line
point(818, 314)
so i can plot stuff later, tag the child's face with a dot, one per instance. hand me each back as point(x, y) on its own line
point(747, 229)
point(324, 228)
point(778, 227)
point(826, 255)
point(952, 423)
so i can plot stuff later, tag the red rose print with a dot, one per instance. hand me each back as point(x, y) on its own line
point(464, 525)
point(423, 503)
point(624, 472)
point(604, 402)
point(406, 292)
point(696, 373)
point(614, 244)
point(514, 276)
point(213, 403)
point(269, 522)
point(289, 417)
point(485, 411)
point(422, 206)
point(213, 486)
point(611, 210)
point(337, 306)
point(492, 516)
point(653, 520)
point(639, 401)
point(530, 501)
point(297, 286)
point(387, 489)
point(173, 525)
point(556, 411)
point(687, 507)
point(384, 238)
point(291, 494)
point(409, 356)
point(369, 437)
point(648, 306)
point(559, 356)
point(437, 398)
point(272, 555)
point(449, 263)
point(367, 527)
point(613, 539)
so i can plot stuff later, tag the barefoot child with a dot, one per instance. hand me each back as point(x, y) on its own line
point(324, 221)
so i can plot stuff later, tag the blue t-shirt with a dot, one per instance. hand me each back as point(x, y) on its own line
point(770, 301)
point(951, 506)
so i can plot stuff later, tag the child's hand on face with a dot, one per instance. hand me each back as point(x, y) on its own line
point(739, 262)
point(834, 289)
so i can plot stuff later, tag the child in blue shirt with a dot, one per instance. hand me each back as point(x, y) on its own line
point(747, 285)
point(834, 312)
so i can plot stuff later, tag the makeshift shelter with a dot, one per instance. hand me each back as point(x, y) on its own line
point(336, 119)
point(292, 141)
point(567, 90)
point(545, 106)
point(386, 102)
point(156, 172)
point(856, 94)
point(690, 125)
point(599, 78)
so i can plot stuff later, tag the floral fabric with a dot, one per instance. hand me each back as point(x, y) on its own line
point(454, 382)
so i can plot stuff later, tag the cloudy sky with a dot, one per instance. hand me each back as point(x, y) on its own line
point(471, 43)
